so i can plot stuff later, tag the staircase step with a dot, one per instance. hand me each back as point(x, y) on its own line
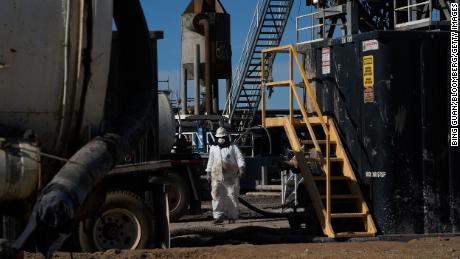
point(268, 32)
point(249, 95)
point(341, 196)
point(253, 70)
point(247, 101)
point(240, 113)
point(348, 215)
point(251, 82)
point(315, 119)
point(274, 19)
point(268, 39)
point(277, 25)
point(275, 13)
point(277, 6)
point(246, 88)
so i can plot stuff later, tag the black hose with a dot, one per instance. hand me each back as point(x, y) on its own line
point(263, 212)
point(256, 235)
point(257, 127)
point(220, 235)
point(204, 231)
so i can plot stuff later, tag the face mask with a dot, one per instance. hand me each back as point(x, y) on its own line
point(221, 141)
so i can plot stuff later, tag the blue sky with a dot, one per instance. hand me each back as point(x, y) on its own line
point(166, 15)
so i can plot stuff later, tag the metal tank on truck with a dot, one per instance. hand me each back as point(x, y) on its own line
point(63, 125)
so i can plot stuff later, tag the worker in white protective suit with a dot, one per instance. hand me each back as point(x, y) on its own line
point(225, 167)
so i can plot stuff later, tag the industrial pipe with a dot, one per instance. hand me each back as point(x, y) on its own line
point(196, 72)
point(184, 91)
point(212, 5)
point(60, 199)
point(228, 89)
point(215, 95)
point(204, 22)
point(197, 6)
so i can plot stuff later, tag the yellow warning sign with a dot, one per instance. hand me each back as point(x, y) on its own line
point(368, 71)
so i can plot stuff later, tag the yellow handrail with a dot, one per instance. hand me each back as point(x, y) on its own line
point(293, 93)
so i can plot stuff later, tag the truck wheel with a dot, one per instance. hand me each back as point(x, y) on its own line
point(125, 222)
point(178, 197)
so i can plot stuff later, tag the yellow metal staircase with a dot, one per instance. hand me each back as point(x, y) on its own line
point(334, 192)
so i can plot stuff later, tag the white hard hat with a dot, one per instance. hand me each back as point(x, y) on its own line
point(221, 132)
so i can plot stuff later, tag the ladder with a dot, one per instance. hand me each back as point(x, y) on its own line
point(334, 192)
point(266, 30)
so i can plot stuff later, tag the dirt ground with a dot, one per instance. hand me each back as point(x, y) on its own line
point(286, 244)
point(432, 247)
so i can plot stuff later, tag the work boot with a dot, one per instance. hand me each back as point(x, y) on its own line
point(218, 221)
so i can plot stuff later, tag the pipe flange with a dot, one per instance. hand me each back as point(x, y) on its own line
point(196, 22)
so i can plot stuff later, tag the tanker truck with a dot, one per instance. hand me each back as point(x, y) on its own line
point(71, 107)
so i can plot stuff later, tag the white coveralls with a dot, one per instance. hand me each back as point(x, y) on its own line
point(224, 163)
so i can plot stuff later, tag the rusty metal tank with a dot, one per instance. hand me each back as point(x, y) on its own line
point(193, 34)
point(206, 43)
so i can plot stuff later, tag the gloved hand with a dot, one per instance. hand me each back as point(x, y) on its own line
point(242, 171)
point(208, 176)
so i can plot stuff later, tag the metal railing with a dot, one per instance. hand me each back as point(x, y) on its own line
point(288, 178)
point(315, 26)
point(412, 12)
point(248, 54)
point(315, 29)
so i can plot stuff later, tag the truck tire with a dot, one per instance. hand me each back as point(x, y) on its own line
point(178, 197)
point(124, 222)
